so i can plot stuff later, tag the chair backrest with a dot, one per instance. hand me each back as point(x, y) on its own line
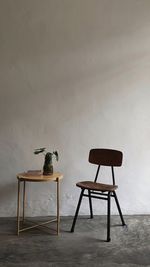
point(105, 157)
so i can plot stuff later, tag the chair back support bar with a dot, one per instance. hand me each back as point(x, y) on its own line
point(105, 157)
point(97, 173)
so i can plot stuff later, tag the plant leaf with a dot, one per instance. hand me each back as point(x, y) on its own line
point(39, 150)
point(56, 154)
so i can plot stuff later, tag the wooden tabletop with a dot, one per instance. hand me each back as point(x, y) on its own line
point(37, 176)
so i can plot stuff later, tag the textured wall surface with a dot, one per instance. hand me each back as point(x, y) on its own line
point(74, 75)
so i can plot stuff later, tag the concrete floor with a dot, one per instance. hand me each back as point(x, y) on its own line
point(85, 247)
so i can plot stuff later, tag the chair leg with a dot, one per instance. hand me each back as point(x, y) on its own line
point(119, 209)
point(90, 204)
point(77, 211)
point(108, 217)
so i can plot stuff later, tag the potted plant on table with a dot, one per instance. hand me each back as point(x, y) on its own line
point(48, 163)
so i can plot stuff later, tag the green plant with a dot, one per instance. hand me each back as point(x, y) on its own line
point(48, 164)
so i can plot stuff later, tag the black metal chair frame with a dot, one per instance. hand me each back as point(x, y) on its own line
point(99, 195)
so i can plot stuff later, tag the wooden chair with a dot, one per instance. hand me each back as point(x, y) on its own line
point(105, 157)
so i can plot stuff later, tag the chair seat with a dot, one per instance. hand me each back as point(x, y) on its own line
point(96, 186)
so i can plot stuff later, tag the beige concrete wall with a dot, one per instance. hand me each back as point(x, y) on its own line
point(74, 75)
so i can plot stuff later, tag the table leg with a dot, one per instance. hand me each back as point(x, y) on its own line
point(24, 199)
point(18, 209)
point(58, 216)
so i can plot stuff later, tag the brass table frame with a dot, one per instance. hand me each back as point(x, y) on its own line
point(36, 176)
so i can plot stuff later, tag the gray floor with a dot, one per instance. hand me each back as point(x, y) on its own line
point(85, 247)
